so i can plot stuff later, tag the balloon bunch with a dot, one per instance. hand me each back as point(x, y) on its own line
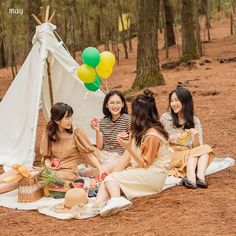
point(96, 66)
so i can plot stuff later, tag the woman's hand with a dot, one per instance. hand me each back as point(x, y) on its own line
point(192, 132)
point(47, 162)
point(102, 173)
point(175, 138)
point(125, 143)
point(95, 124)
point(195, 137)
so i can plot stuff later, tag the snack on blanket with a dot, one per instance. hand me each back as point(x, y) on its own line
point(76, 185)
point(58, 192)
point(48, 178)
point(16, 166)
point(11, 178)
point(24, 171)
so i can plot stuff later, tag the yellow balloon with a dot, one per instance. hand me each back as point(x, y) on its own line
point(103, 72)
point(107, 57)
point(86, 73)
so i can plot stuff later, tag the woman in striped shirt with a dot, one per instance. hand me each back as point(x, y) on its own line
point(116, 120)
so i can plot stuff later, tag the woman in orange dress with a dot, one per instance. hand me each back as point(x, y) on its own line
point(62, 147)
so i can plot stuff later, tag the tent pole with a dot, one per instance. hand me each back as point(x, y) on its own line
point(50, 82)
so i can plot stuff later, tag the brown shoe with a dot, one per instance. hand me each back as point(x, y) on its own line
point(187, 183)
point(201, 183)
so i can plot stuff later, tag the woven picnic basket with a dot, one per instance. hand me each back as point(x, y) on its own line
point(29, 189)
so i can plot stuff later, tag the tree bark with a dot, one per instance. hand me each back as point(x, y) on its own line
point(2, 49)
point(233, 17)
point(71, 27)
point(189, 39)
point(197, 29)
point(218, 5)
point(208, 18)
point(165, 29)
point(98, 29)
point(124, 32)
point(13, 48)
point(2, 38)
point(148, 70)
point(32, 7)
point(169, 21)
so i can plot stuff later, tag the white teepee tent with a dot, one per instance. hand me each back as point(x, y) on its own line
point(20, 106)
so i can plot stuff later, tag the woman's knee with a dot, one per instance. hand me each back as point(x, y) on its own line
point(204, 156)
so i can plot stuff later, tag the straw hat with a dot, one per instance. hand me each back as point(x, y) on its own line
point(73, 197)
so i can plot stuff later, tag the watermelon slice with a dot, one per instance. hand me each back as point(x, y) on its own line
point(58, 192)
point(95, 119)
point(123, 135)
point(55, 163)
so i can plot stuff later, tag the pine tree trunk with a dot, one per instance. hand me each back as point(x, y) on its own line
point(123, 33)
point(233, 17)
point(105, 33)
point(165, 29)
point(197, 29)
point(218, 5)
point(189, 40)
point(32, 7)
point(169, 21)
point(71, 28)
point(2, 49)
point(98, 29)
point(208, 22)
point(2, 38)
point(148, 70)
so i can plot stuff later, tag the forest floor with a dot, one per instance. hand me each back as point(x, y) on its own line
point(175, 211)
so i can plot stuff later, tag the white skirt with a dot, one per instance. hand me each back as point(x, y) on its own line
point(108, 158)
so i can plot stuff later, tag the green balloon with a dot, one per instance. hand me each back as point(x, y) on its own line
point(91, 56)
point(95, 85)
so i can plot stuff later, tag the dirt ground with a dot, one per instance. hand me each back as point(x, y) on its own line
point(175, 211)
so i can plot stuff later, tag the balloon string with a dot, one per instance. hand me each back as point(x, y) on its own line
point(106, 85)
point(86, 96)
point(96, 83)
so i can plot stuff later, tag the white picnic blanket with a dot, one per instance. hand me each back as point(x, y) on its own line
point(45, 205)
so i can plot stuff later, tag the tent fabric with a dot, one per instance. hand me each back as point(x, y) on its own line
point(19, 108)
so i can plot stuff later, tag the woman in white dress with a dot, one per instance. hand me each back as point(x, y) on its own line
point(191, 156)
point(148, 150)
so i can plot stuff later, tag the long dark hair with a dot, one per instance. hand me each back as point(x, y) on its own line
point(186, 99)
point(145, 116)
point(58, 111)
point(106, 111)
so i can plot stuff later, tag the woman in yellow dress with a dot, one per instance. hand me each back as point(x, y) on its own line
point(190, 157)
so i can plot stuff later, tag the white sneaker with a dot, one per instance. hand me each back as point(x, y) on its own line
point(115, 205)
